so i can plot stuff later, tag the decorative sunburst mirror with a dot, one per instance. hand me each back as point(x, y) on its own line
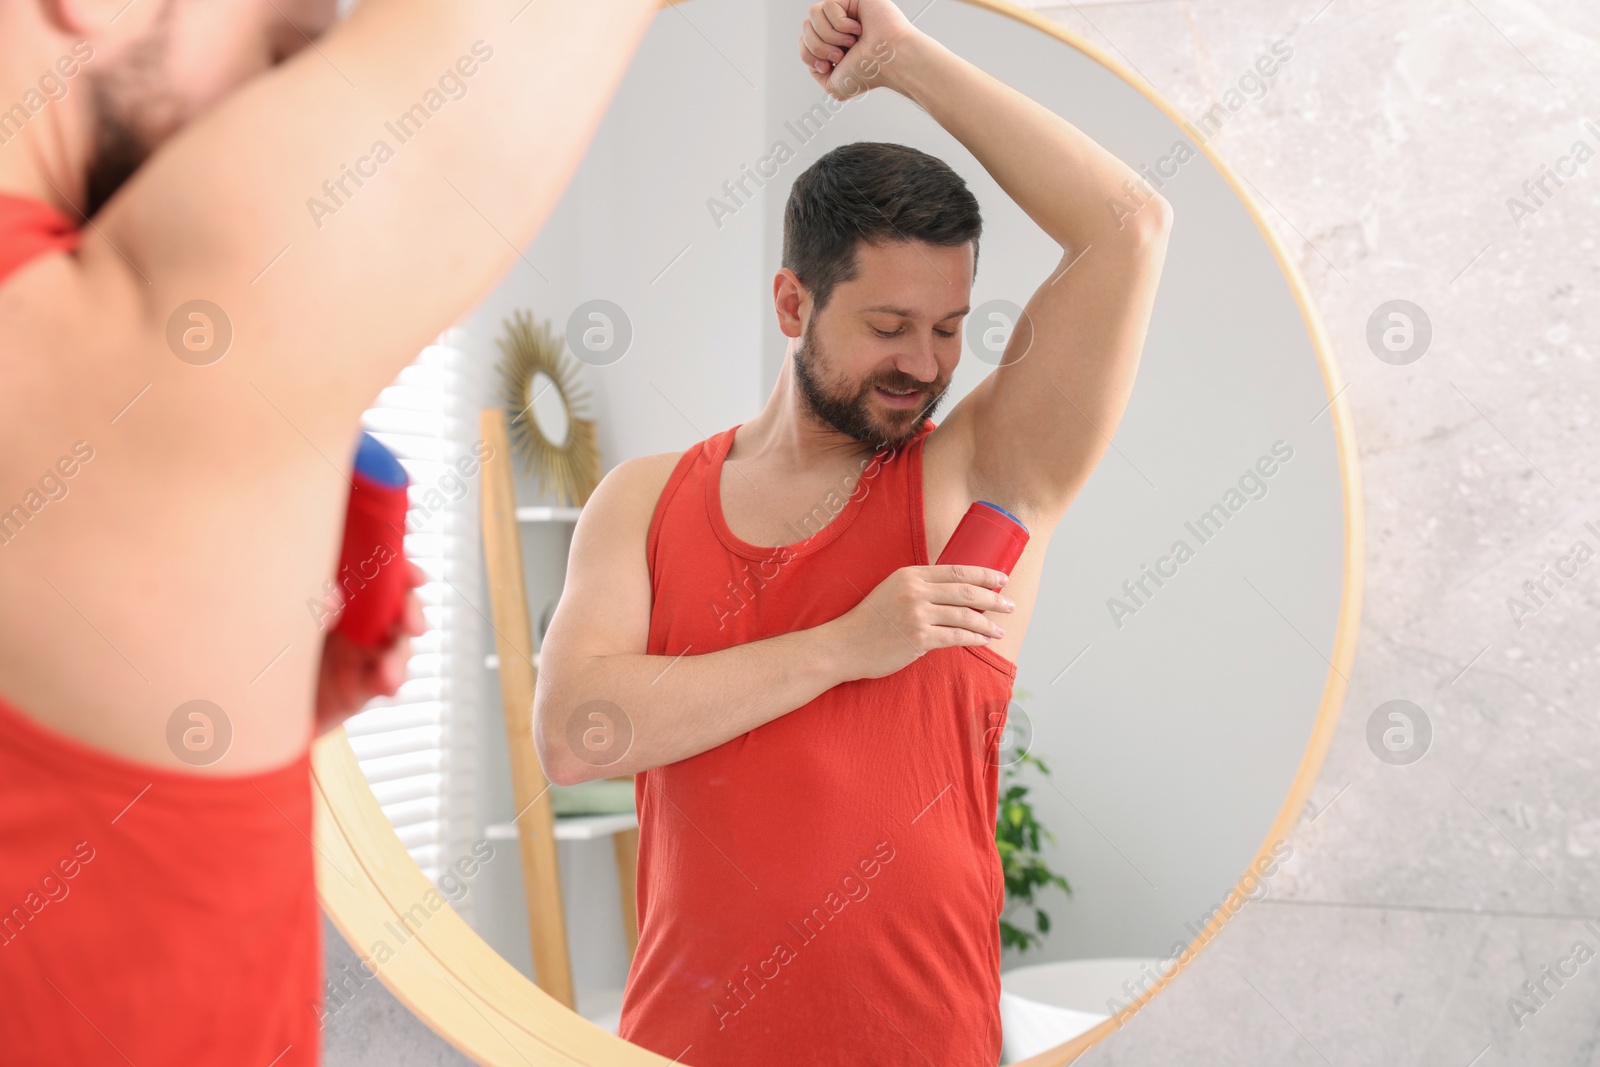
point(544, 411)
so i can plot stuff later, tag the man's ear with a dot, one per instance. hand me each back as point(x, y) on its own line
point(791, 302)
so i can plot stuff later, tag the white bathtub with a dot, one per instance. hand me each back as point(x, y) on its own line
point(1044, 1004)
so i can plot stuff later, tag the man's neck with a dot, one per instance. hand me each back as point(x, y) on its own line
point(786, 434)
point(43, 190)
point(44, 153)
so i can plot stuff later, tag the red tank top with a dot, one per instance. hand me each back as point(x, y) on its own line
point(146, 915)
point(825, 888)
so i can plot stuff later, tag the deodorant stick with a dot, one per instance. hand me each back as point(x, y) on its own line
point(372, 571)
point(987, 536)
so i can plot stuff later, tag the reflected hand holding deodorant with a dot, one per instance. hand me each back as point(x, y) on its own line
point(372, 571)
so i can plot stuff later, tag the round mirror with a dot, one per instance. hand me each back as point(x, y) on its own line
point(1197, 614)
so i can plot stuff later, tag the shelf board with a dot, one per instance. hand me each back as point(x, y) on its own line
point(492, 661)
point(572, 827)
point(547, 513)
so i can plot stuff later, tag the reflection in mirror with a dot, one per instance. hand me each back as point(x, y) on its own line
point(549, 408)
point(955, 855)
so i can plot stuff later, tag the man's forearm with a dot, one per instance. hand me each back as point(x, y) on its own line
point(1055, 172)
point(676, 706)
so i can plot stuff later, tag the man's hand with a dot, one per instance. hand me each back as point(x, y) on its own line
point(352, 675)
point(916, 610)
point(845, 44)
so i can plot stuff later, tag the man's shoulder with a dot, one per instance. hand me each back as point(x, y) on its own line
point(646, 476)
point(629, 491)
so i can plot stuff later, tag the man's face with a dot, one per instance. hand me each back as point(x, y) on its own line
point(153, 74)
point(896, 327)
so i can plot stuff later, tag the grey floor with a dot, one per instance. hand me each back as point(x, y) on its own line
point(1421, 897)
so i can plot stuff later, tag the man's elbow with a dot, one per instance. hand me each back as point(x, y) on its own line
point(555, 757)
point(1154, 221)
point(562, 773)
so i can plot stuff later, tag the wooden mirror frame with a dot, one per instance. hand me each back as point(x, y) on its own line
point(451, 979)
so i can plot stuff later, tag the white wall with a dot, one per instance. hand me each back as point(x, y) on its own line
point(633, 228)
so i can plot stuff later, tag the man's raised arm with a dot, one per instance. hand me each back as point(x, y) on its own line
point(344, 206)
point(1035, 428)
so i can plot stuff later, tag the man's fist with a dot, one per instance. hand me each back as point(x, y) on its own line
point(352, 675)
point(845, 44)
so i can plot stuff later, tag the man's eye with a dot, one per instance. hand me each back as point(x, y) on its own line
point(896, 333)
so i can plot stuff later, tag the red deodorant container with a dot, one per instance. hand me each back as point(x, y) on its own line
point(372, 571)
point(987, 536)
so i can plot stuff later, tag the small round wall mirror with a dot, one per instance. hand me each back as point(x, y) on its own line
point(543, 400)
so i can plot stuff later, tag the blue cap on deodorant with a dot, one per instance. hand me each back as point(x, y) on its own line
point(1004, 512)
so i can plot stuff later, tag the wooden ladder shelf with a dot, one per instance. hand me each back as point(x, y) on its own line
point(536, 828)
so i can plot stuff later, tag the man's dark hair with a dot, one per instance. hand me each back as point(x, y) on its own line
point(875, 192)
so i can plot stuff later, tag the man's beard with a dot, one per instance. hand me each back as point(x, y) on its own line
point(134, 86)
point(119, 150)
point(855, 416)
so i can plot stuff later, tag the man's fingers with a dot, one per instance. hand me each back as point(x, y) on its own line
point(412, 619)
point(814, 66)
point(839, 17)
point(834, 26)
point(817, 48)
point(966, 586)
point(391, 672)
point(969, 573)
point(384, 672)
point(983, 575)
point(964, 618)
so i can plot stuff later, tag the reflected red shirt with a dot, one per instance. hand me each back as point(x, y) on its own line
point(824, 889)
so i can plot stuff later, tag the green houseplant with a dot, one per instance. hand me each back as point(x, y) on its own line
point(1017, 835)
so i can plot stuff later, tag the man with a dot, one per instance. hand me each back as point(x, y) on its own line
point(271, 221)
point(752, 626)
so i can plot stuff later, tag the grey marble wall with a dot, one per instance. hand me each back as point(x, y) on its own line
point(363, 1025)
point(1421, 897)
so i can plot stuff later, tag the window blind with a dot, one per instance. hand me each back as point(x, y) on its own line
point(416, 748)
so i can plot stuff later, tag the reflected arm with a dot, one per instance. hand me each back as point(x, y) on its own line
point(594, 672)
point(1036, 427)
